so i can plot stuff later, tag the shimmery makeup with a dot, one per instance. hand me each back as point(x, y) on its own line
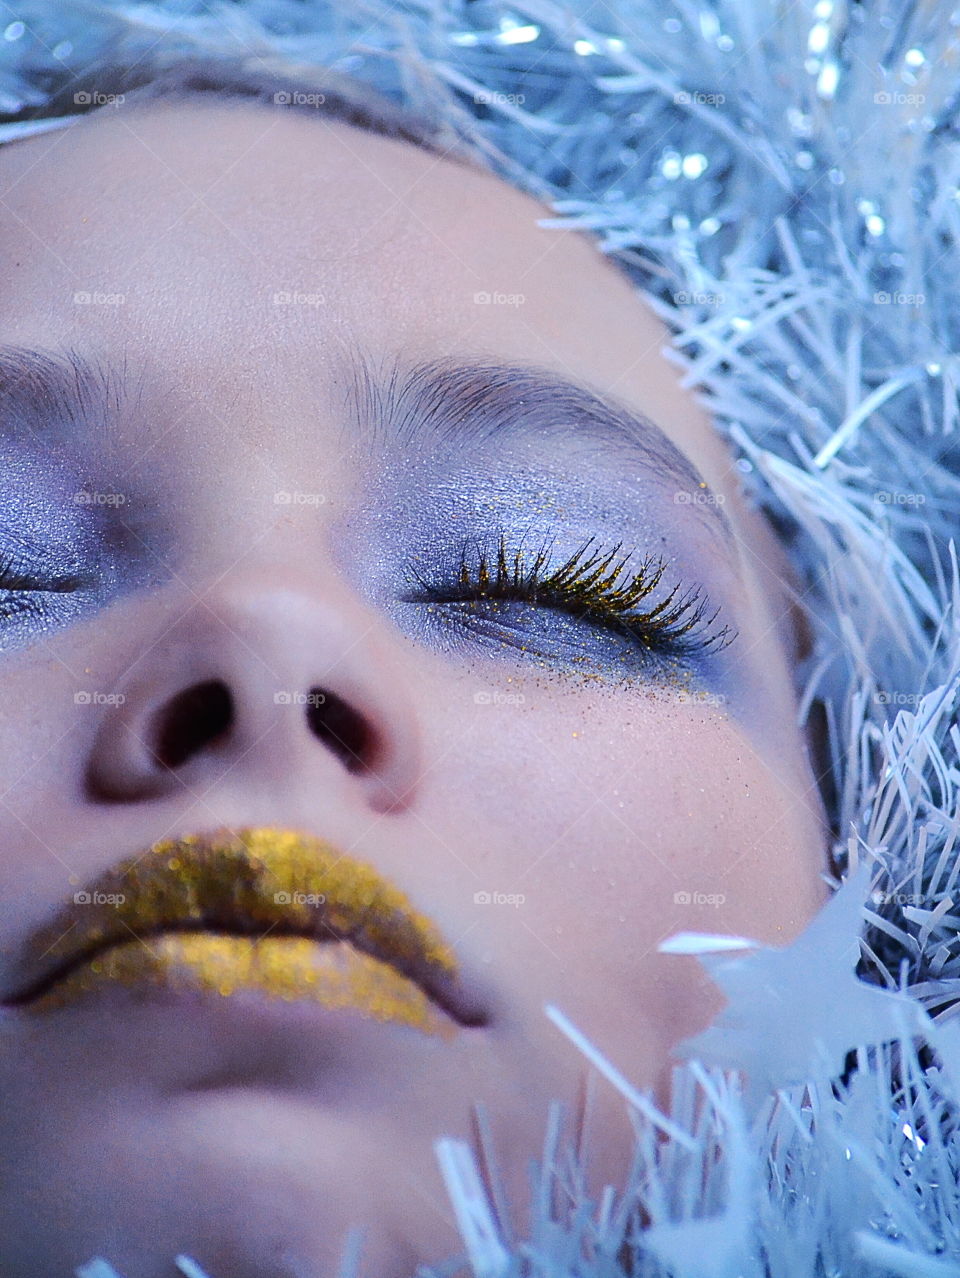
point(446, 405)
point(332, 974)
point(292, 905)
point(511, 493)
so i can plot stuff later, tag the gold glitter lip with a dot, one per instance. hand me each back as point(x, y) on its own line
point(246, 909)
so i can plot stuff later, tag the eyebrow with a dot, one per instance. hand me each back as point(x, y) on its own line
point(41, 390)
point(446, 400)
point(453, 401)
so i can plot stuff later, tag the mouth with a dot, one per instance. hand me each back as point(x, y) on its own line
point(258, 909)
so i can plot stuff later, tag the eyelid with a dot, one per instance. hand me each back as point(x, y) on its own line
point(587, 586)
point(22, 574)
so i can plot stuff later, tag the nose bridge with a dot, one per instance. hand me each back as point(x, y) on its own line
point(282, 682)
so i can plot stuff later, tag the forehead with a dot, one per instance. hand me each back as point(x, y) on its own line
point(228, 229)
point(272, 196)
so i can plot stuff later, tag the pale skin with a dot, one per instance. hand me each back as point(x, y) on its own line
point(254, 1140)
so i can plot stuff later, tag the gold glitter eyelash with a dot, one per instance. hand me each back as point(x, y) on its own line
point(595, 584)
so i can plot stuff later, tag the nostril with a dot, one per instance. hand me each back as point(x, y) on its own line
point(190, 721)
point(340, 727)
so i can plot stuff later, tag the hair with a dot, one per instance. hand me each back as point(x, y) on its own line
point(232, 79)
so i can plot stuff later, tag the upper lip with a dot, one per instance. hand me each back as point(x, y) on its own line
point(245, 882)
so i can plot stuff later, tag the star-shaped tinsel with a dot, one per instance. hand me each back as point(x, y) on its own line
point(793, 1013)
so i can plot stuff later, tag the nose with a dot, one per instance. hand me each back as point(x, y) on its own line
point(272, 682)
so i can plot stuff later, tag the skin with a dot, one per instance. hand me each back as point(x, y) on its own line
point(252, 1136)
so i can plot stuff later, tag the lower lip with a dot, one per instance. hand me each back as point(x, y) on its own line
point(287, 968)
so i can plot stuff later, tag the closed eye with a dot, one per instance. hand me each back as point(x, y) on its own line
point(593, 585)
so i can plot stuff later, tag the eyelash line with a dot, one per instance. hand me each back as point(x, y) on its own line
point(12, 577)
point(591, 583)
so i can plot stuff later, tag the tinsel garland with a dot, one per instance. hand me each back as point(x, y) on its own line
point(781, 182)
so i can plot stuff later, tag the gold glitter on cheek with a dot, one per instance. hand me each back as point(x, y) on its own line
point(290, 968)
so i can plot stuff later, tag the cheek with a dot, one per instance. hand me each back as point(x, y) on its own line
point(635, 815)
point(618, 821)
point(39, 749)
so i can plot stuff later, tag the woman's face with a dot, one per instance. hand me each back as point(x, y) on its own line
point(308, 418)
